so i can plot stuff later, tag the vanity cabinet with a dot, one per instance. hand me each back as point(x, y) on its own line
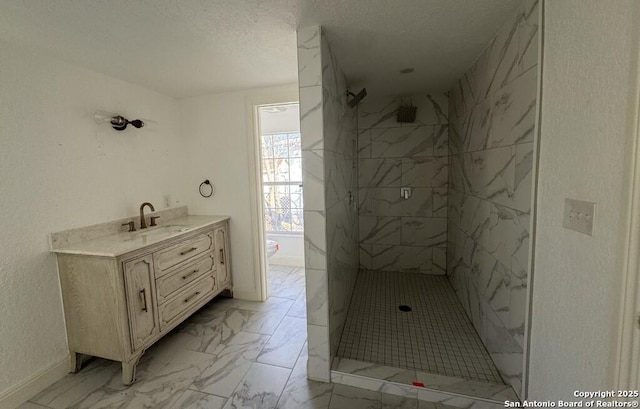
point(222, 246)
point(140, 295)
point(116, 307)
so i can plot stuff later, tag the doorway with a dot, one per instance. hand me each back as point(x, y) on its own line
point(282, 201)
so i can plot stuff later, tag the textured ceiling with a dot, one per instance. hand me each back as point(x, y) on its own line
point(193, 47)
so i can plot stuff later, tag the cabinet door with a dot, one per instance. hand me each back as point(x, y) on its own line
point(141, 302)
point(222, 256)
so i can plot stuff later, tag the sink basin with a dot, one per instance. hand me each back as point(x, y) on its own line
point(164, 229)
point(158, 231)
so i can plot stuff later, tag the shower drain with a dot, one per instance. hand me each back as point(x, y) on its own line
point(404, 308)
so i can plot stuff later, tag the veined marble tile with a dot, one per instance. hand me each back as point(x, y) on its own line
point(475, 131)
point(493, 281)
point(424, 231)
point(291, 286)
point(431, 109)
point(379, 172)
point(439, 260)
point(506, 353)
point(441, 140)
point(317, 297)
point(491, 174)
point(461, 386)
point(313, 179)
point(364, 143)
point(309, 64)
point(163, 374)
point(271, 303)
point(405, 142)
point(442, 398)
point(401, 258)
point(84, 388)
point(198, 400)
point(213, 336)
point(380, 230)
point(425, 172)
point(523, 182)
point(461, 99)
point(228, 368)
point(458, 134)
point(398, 402)
point(299, 307)
point(370, 370)
point(378, 112)
point(311, 130)
point(267, 322)
point(498, 64)
point(518, 310)
point(285, 343)
point(338, 171)
point(318, 363)
point(260, 388)
point(31, 405)
point(315, 245)
point(388, 202)
point(303, 393)
point(440, 202)
point(366, 255)
point(513, 111)
point(362, 382)
point(528, 34)
point(344, 397)
point(508, 232)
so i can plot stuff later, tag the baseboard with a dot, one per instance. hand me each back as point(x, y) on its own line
point(28, 388)
point(292, 261)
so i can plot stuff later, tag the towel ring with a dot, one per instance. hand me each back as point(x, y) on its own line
point(211, 189)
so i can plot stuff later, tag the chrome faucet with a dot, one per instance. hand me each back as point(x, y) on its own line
point(143, 223)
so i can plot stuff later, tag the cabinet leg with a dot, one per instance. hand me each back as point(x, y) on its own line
point(129, 370)
point(75, 362)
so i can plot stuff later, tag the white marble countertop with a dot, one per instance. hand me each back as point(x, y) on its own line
point(115, 245)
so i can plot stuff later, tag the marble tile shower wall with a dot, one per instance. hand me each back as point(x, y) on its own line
point(492, 124)
point(398, 234)
point(340, 161)
point(330, 197)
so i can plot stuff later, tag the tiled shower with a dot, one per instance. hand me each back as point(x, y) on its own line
point(457, 250)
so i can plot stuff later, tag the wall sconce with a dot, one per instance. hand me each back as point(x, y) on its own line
point(117, 122)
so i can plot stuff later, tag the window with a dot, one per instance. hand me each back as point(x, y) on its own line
point(282, 183)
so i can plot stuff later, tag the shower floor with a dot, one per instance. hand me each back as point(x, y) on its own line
point(436, 336)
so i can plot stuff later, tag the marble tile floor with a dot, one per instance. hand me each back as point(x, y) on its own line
point(286, 282)
point(230, 354)
point(434, 337)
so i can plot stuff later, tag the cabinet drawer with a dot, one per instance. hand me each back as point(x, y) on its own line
point(182, 276)
point(169, 257)
point(173, 310)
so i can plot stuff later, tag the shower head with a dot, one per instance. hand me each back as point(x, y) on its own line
point(356, 98)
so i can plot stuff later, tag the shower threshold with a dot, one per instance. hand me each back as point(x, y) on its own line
point(408, 332)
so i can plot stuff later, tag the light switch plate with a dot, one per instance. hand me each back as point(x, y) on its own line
point(579, 216)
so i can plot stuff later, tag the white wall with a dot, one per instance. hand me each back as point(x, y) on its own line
point(216, 130)
point(291, 251)
point(576, 288)
point(60, 170)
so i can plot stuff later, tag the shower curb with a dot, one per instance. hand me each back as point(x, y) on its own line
point(452, 399)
